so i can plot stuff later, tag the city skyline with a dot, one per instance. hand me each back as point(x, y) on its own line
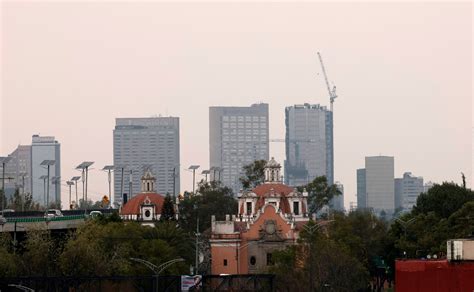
point(394, 97)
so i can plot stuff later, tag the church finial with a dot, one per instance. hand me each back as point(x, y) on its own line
point(148, 182)
point(272, 171)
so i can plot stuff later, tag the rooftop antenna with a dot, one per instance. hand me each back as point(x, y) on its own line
point(332, 93)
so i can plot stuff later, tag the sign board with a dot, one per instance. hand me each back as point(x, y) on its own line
point(188, 282)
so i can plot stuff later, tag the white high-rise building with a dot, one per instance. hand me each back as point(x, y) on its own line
point(45, 148)
point(237, 136)
point(379, 184)
point(142, 144)
point(407, 190)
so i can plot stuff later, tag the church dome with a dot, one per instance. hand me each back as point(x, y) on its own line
point(133, 207)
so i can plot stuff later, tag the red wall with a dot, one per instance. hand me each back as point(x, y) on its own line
point(434, 276)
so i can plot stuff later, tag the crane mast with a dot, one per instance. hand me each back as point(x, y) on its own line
point(332, 93)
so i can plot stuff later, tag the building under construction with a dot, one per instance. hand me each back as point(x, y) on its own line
point(309, 144)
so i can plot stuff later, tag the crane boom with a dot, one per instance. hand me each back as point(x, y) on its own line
point(332, 93)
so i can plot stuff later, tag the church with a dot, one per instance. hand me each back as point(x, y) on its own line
point(268, 218)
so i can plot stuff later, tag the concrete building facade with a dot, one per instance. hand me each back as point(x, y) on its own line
point(379, 184)
point(309, 144)
point(142, 144)
point(237, 136)
point(19, 170)
point(45, 148)
point(361, 191)
point(407, 190)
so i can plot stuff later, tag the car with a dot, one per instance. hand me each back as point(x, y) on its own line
point(95, 214)
point(51, 213)
point(8, 211)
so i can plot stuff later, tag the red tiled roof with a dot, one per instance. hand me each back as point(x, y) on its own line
point(132, 207)
point(263, 189)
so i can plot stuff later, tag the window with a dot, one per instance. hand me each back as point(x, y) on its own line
point(296, 208)
point(249, 208)
point(269, 259)
point(253, 260)
point(225, 262)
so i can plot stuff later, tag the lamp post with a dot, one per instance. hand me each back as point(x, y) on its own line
point(4, 161)
point(84, 167)
point(311, 230)
point(206, 172)
point(193, 168)
point(48, 164)
point(70, 183)
point(75, 179)
point(23, 195)
point(157, 269)
point(44, 178)
point(405, 224)
point(109, 169)
point(56, 180)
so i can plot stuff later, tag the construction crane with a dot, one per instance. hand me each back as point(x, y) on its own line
point(332, 93)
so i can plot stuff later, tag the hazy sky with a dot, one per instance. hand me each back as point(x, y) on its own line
point(403, 73)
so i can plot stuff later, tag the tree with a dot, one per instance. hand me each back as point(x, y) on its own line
point(254, 174)
point(319, 193)
point(39, 254)
point(318, 263)
point(8, 260)
point(167, 211)
point(211, 199)
point(444, 199)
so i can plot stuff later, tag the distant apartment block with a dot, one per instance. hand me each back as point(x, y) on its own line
point(379, 184)
point(361, 191)
point(146, 143)
point(337, 203)
point(237, 136)
point(18, 171)
point(407, 190)
point(309, 144)
point(45, 148)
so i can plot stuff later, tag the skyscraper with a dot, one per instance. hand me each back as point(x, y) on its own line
point(309, 144)
point(146, 143)
point(361, 191)
point(237, 136)
point(379, 184)
point(19, 170)
point(45, 148)
point(407, 190)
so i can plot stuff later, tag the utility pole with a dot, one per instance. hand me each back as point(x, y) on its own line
point(193, 168)
point(75, 179)
point(70, 183)
point(109, 169)
point(48, 164)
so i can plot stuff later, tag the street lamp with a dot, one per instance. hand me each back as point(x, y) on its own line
point(193, 168)
point(84, 167)
point(70, 183)
point(48, 164)
point(206, 172)
point(75, 179)
point(405, 224)
point(4, 160)
point(44, 178)
point(311, 230)
point(109, 169)
point(157, 269)
point(56, 180)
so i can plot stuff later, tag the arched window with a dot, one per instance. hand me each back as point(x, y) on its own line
point(148, 186)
